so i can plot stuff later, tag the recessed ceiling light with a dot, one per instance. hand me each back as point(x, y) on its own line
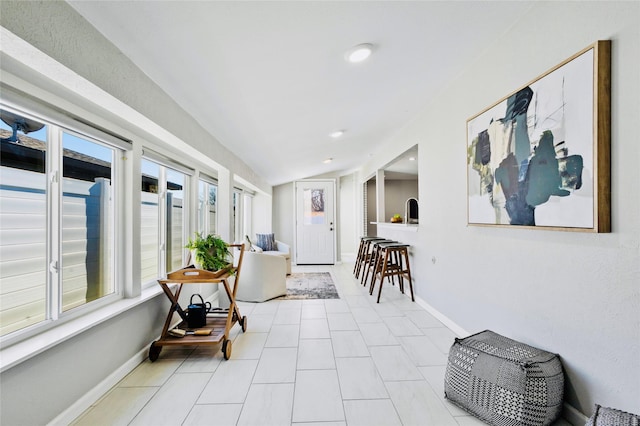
point(328, 160)
point(359, 53)
point(337, 134)
point(412, 158)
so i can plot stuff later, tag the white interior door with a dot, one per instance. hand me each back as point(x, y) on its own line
point(315, 222)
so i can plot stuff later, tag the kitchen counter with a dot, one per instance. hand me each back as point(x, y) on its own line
point(405, 227)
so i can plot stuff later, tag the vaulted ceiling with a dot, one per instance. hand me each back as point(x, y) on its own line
point(269, 79)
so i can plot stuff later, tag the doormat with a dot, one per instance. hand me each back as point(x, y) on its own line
point(310, 285)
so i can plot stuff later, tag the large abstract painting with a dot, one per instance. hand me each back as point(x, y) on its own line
point(540, 157)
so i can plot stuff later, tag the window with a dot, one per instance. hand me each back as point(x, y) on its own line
point(207, 215)
point(57, 196)
point(176, 227)
point(149, 222)
point(242, 214)
point(313, 207)
point(164, 215)
point(237, 234)
point(247, 208)
point(87, 221)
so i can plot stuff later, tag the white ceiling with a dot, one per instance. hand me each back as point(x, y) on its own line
point(404, 166)
point(269, 79)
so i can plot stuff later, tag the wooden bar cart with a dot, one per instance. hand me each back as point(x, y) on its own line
point(219, 320)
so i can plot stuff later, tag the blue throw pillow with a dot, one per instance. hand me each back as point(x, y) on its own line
point(266, 242)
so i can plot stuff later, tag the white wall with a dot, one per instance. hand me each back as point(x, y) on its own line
point(262, 214)
point(577, 294)
point(371, 208)
point(39, 389)
point(284, 214)
point(348, 225)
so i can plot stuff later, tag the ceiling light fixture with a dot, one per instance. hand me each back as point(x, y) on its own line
point(328, 160)
point(337, 134)
point(412, 158)
point(359, 53)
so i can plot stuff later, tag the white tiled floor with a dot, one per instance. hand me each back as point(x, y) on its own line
point(346, 361)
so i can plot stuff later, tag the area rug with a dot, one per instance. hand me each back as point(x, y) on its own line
point(311, 285)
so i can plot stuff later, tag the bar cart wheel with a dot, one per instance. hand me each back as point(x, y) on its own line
point(226, 349)
point(243, 323)
point(154, 351)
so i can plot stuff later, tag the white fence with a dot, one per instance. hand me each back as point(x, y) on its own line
point(86, 257)
point(149, 236)
point(150, 239)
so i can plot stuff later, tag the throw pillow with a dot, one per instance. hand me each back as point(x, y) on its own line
point(266, 242)
point(249, 244)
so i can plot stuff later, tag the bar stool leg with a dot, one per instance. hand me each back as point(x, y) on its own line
point(398, 260)
point(369, 256)
point(383, 273)
point(358, 257)
point(406, 258)
point(376, 268)
point(364, 260)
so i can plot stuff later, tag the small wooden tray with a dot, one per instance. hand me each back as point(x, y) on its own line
point(195, 275)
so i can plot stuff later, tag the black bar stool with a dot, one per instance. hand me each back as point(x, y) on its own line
point(393, 261)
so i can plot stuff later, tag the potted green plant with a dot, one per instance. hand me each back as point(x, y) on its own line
point(210, 253)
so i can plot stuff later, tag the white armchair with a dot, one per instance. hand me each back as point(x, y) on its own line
point(282, 250)
point(262, 277)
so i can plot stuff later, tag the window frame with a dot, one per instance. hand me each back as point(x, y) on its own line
point(247, 213)
point(206, 228)
point(163, 164)
point(57, 124)
point(116, 243)
point(242, 213)
point(238, 214)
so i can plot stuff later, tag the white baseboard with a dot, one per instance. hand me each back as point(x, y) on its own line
point(569, 413)
point(573, 416)
point(442, 318)
point(213, 299)
point(348, 257)
point(91, 397)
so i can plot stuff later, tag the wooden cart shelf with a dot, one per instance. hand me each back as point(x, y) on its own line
point(220, 320)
